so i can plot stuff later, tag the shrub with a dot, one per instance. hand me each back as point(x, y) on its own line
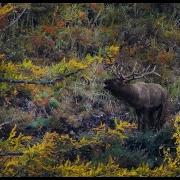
point(53, 103)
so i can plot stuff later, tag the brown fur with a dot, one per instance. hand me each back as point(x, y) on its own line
point(148, 99)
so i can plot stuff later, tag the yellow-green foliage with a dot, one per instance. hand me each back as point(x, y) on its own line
point(74, 64)
point(177, 135)
point(6, 9)
point(63, 66)
point(112, 52)
point(9, 70)
point(27, 70)
point(27, 67)
point(24, 71)
point(91, 59)
point(168, 28)
point(43, 157)
point(174, 89)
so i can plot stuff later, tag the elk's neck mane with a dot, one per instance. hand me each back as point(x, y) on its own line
point(125, 92)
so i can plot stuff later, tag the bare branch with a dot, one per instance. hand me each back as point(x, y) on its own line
point(11, 154)
point(14, 20)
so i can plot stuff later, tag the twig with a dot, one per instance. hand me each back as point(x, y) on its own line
point(96, 17)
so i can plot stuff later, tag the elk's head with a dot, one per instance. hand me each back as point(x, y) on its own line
point(114, 82)
point(120, 79)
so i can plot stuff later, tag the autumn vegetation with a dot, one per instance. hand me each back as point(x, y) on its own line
point(56, 118)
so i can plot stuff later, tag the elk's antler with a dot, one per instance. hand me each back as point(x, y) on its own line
point(117, 71)
point(142, 74)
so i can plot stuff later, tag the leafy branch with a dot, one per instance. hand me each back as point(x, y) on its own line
point(41, 81)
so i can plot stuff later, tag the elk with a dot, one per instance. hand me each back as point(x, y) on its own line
point(148, 99)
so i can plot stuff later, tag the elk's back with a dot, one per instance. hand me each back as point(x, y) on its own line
point(149, 94)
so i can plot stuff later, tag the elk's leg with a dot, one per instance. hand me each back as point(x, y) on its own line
point(145, 120)
point(155, 116)
point(158, 119)
point(152, 118)
point(139, 119)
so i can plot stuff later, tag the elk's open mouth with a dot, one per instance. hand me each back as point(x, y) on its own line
point(106, 84)
point(105, 87)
